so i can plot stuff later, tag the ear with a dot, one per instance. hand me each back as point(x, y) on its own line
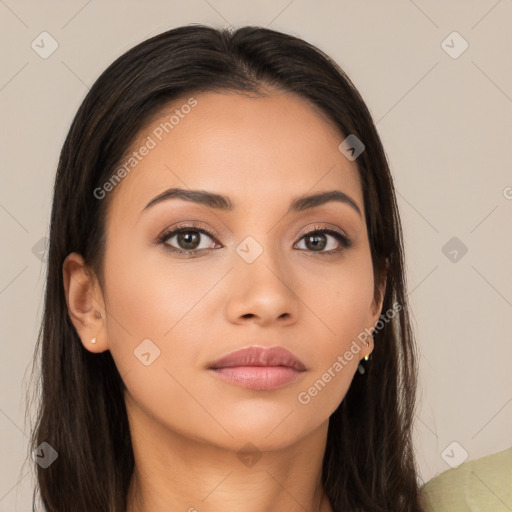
point(85, 303)
point(376, 306)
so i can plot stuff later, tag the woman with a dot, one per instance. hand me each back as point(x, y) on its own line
point(225, 254)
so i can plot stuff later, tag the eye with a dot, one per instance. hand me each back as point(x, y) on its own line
point(317, 240)
point(188, 239)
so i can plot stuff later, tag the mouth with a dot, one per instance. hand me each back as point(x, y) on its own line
point(259, 368)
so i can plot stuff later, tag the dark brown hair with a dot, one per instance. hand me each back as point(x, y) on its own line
point(369, 463)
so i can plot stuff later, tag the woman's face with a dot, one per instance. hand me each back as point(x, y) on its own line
point(257, 281)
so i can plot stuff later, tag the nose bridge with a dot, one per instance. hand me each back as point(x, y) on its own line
point(262, 256)
point(263, 251)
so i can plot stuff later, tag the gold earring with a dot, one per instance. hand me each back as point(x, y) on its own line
point(93, 340)
point(366, 357)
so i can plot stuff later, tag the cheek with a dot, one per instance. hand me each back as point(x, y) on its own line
point(340, 297)
point(342, 304)
point(148, 298)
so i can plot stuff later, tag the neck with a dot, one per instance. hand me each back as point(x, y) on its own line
point(174, 472)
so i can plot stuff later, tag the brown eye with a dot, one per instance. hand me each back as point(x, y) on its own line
point(188, 239)
point(318, 241)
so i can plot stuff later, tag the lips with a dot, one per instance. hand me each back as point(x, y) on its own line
point(259, 368)
point(259, 356)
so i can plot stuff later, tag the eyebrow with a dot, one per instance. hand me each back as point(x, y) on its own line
point(224, 203)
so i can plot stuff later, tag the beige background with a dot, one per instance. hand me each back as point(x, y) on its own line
point(446, 124)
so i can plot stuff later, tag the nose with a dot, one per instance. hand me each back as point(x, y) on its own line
point(263, 292)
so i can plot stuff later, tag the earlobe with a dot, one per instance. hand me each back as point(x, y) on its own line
point(84, 302)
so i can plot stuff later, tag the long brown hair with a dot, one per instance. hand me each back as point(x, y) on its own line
point(368, 462)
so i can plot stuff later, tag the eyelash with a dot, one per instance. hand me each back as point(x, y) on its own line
point(344, 241)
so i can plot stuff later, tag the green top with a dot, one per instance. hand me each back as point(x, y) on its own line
point(481, 485)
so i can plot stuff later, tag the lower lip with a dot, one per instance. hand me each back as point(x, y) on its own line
point(261, 378)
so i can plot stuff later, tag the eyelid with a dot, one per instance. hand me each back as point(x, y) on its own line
point(322, 227)
point(341, 237)
point(191, 226)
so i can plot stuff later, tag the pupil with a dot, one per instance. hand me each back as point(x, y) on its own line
point(319, 241)
point(185, 238)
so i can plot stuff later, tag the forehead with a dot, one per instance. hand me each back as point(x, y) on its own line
point(259, 150)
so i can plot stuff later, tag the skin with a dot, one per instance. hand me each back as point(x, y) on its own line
point(187, 425)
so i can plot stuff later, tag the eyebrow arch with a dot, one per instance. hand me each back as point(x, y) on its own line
point(221, 202)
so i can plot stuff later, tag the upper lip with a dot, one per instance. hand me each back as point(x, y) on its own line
point(259, 356)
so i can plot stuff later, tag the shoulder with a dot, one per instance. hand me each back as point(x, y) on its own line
point(480, 485)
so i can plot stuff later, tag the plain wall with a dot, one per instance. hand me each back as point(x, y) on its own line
point(446, 125)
